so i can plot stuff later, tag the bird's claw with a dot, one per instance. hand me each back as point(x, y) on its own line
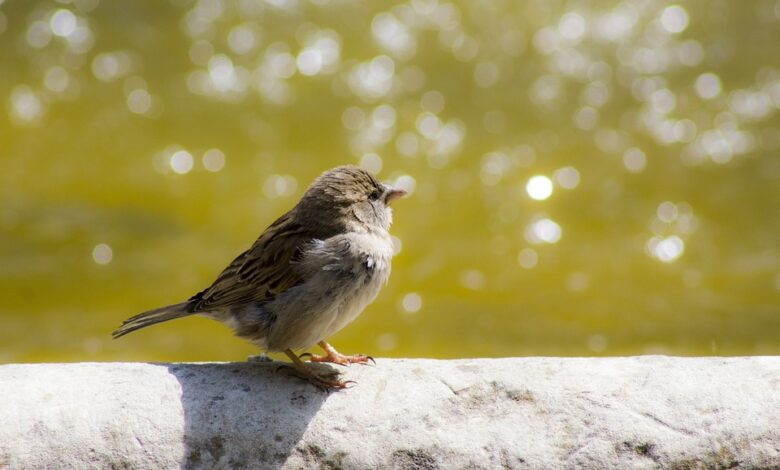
point(328, 385)
point(359, 359)
point(324, 381)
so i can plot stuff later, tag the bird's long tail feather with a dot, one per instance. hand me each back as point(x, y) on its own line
point(152, 317)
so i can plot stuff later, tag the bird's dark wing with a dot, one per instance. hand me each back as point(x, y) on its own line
point(263, 271)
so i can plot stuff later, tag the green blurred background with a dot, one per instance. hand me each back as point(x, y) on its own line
point(586, 177)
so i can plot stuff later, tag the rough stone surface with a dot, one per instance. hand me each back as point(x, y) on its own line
point(636, 412)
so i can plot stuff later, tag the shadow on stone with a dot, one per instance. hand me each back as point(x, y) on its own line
point(243, 415)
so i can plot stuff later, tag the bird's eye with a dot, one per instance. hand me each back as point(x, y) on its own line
point(374, 195)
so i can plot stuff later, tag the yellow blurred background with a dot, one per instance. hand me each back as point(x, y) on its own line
point(587, 177)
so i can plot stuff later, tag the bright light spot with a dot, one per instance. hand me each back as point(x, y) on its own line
point(198, 82)
point(665, 249)
point(634, 160)
point(597, 343)
point(445, 143)
point(280, 185)
point(539, 187)
point(407, 183)
point(577, 282)
point(548, 92)
point(684, 130)
point(222, 73)
point(371, 162)
point(586, 118)
point(472, 279)
point(407, 144)
point(596, 94)
point(494, 167)
point(139, 101)
point(384, 116)
point(486, 74)
point(241, 39)
point(57, 79)
point(667, 212)
point(386, 341)
point(109, 66)
point(686, 222)
point(82, 39)
point(181, 162)
point(618, 23)
point(754, 105)
point(572, 26)
point(708, 86)
point(63, 23)
point(102, 254)
point(278, 4)
point(543, 231)
point(718, 146)
point(546, 40)
point(411, 302)
point(282, 63)
point(465, 48)
point(38, 34)
point(26, 107)
point(321, 54)
point(213, 160)
point(674, 19)
point(527, 258)
point(428, 125)
point(567, 177)
point(353, 118)
point(92, 346)
point(393, 35)
point(691, 53)
point(373, 79)
point(309, 62)
point(610, 140)
point(663, 101)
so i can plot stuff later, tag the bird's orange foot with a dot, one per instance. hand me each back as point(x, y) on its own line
point(325, 381)
point(337, 358)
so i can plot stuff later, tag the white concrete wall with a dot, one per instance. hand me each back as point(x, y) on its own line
point(637, 412)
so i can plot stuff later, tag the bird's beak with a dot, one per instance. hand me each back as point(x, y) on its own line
point(393, 193)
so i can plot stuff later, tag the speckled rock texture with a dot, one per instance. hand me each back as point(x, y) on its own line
point(541, 413)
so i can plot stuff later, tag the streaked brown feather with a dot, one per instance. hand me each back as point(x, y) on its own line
point(263, 271)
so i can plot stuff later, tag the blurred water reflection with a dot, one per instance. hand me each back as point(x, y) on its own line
point(588, 177)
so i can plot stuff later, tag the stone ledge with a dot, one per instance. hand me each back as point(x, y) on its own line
point(634, 412)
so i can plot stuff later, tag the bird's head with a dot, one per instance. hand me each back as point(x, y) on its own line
point(353, 195)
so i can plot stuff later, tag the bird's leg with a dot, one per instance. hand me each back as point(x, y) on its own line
point(337, 358)
point(322, 381)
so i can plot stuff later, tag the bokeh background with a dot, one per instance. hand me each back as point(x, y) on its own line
point(587, 177)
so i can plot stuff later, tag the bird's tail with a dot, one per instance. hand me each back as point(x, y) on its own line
point(152, 317)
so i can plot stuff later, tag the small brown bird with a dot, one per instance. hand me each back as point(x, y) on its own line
point(309, 274)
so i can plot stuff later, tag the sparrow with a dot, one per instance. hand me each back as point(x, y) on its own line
point(308, 275)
